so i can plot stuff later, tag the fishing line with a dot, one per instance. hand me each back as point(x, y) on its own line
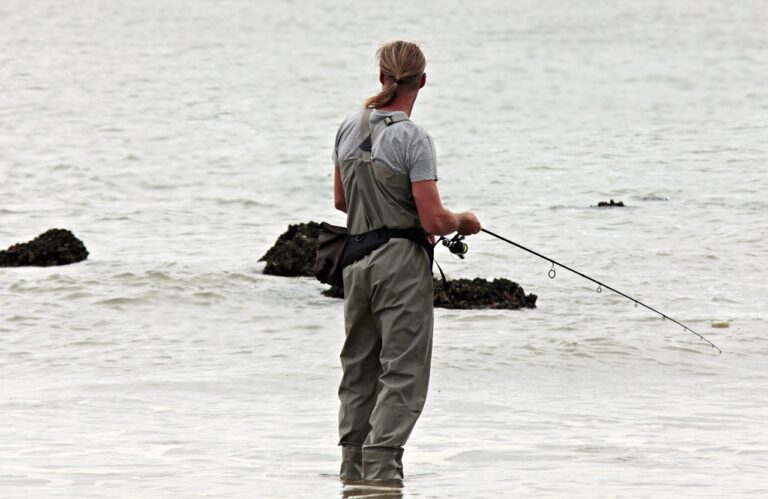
point(553, 272)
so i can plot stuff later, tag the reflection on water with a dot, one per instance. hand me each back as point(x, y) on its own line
point(392, 489)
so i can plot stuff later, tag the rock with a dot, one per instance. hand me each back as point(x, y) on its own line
point(52, 247)
point(293, 254)
point(610, 204)
point(480, 293)
point(333, 292)
point(472, 294)
point(720, 324)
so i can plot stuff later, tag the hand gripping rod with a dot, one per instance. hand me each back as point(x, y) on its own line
point(600, 286)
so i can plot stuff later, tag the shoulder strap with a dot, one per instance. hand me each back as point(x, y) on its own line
point(387, 121)
point(391, 120)
point(365, 130)
point(367, 136)
point(365, 123)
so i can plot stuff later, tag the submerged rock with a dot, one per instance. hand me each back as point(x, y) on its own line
point(472, 294)
point(293, 254)
point(610, 204)
point(654, 197)
point(52, 247)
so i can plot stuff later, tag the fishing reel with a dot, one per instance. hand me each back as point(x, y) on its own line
point(456, 245)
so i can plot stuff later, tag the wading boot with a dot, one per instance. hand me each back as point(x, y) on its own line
point(383, 464)
point(351, 463)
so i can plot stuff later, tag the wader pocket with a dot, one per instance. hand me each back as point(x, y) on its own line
point(330, 251)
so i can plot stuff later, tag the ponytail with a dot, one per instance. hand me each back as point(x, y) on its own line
point(402, 64)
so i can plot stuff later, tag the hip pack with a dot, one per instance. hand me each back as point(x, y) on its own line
point(330, 252)
point(336, 248)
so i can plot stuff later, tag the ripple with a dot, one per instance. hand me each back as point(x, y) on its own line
point(123, 300)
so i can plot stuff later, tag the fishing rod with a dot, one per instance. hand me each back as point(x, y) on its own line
point(458, 247)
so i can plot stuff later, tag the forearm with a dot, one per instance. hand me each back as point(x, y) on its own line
point(434, 218)
point(444, 223)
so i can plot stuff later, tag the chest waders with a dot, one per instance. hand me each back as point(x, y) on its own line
point(388, 318)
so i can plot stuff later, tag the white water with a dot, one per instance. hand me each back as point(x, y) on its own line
point(178, 139)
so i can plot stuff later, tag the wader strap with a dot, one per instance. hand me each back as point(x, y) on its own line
point(365, 133)
point(368, 137)
point(445, 282)
point(387, 121)
point(365, 123)
point(391, 120)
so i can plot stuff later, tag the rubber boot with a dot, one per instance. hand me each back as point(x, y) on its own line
point(351, 463)
point(383, 464)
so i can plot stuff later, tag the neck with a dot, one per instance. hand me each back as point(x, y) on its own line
point(403, 102)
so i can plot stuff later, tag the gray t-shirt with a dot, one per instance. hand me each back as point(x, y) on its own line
point(404, 146)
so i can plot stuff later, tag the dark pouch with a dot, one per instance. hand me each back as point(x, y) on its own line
point(363, 244)
point(330, 252)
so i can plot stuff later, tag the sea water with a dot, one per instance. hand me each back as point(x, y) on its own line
point(179, 139)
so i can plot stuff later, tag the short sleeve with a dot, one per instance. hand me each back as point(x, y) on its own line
point(423, 160)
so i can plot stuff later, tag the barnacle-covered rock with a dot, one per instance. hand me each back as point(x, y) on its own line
point(480, 293)
point(52, 247)
point(610, 204)
point(293, 254)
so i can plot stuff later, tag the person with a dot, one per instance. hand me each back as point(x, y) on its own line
point(385, 180)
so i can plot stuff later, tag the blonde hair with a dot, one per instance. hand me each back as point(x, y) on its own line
point(401, 62)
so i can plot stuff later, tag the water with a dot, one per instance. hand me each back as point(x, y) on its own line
point(179, 139)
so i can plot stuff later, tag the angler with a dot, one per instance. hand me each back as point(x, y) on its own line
point(385, 181)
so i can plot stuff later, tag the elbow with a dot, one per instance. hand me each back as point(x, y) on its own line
point(341, 205)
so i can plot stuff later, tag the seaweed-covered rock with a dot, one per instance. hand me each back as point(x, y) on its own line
point(293, 254)
point(479, 293)
point(472, 294)
point(333, 292)
point(610, 204)
point(52, 247)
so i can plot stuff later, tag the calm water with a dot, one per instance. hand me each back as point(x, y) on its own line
point(178, 139)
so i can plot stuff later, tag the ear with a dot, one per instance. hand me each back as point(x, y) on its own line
point(423, 80)
point(381, 77)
